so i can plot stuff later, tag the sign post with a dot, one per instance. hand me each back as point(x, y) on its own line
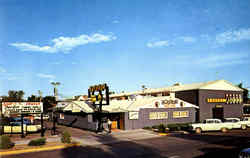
point(98, 101)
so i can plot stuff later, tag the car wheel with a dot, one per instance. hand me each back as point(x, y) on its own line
point(198, 130)
point(224, 130)
point(243, 127)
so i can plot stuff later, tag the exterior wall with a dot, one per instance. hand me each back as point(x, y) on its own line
point(230, 110)
point(144, 120)
point(78, 121)
point(188, 96)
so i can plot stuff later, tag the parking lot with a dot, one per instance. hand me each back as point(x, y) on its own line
point(144, 143)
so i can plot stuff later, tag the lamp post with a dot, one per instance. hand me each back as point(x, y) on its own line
point(55, 84)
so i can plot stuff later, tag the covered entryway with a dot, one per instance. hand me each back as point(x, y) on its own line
point(218, 112)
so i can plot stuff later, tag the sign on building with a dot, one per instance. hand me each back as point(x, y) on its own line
point(9, 108)
point(180, 114)
point(133, 115)
point(158, 115)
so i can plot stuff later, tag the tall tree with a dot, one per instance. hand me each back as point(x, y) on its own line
point(245, 93)
point(48, 102)
point(14, 96)
point(33, 98)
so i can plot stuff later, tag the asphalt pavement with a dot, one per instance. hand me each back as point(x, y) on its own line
point(144, 144)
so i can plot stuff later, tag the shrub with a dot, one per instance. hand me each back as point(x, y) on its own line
point(147, 127)
point(66, 137)
point(5, 142)
point(37, 142)
point(162, 128)
point(178, 127)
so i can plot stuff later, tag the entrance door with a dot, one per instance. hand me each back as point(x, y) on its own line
point(218, 112)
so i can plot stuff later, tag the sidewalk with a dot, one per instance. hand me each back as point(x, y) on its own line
point(90, 139)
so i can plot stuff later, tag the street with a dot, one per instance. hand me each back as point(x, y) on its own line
point(211, 144)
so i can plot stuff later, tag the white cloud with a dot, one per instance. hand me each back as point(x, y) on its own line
point(65, 44)
point(214, 60)
point(188, 39)
point(12, 78)
point(115, 22)
point(158, 44)
point(232, 36)
point(41, 75)
point(2, 70)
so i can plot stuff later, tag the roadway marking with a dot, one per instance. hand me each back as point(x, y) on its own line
point(14, 152)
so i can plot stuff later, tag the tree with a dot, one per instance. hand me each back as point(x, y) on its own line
point(245, 93)
point(13, 96)
point(33, 98)
point(48, 102)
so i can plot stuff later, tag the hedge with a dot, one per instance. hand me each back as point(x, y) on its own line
point(37, 142)
point(5, 142)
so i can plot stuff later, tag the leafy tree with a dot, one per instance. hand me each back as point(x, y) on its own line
point(245, 93)
point(13, 96)
point(48, 102)
point(33, 98)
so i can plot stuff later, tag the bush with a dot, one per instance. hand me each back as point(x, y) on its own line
point(37, 142)
point(5, 142)
point(147, 127)
point(66, 137)
point(178, 127)
point(162, 128)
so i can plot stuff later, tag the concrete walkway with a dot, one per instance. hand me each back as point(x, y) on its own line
point(106, 138)
point(102, 138)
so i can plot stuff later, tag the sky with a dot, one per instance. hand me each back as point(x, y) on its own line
point(124, 43)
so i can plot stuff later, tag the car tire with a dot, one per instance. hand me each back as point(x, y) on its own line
point(244, 127)
point(224, 130)
point(198, 130)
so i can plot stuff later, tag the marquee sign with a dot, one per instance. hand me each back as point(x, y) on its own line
point(158, 115)
point(229, 99)
point(22, 107)
point(96, 96)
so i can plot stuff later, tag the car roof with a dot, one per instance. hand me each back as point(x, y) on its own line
point(231, 118)
point(247, 150)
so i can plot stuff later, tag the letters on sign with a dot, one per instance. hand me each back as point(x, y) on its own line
point(229, 99)
point(180, 114)
point(158, 115)
point(22, 107)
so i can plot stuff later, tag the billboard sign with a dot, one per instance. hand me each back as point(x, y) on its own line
point(9, 108)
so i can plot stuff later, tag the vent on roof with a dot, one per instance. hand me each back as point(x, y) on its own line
point(177, 84)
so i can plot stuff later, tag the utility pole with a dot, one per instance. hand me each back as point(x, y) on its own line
point(55, 84)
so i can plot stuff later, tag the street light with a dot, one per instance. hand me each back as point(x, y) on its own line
point(55, 84)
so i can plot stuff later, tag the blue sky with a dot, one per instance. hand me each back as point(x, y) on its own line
point(123, 43)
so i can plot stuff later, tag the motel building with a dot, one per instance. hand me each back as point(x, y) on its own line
point(215, 99)
point(139, 112)
point(180, 103)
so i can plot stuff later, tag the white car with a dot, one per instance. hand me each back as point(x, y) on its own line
point(246, 121)
point(236, 122)
point(211, 125)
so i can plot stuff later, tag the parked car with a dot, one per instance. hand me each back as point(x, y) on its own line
point(236, 122)
point(211, 125)
point(246, 121)
point(245, 153)
point(18, 121)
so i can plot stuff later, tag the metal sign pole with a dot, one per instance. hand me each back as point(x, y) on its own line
point(22, 136)
point(42, 132)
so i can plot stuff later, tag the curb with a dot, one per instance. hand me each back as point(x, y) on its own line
point(14, 152)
